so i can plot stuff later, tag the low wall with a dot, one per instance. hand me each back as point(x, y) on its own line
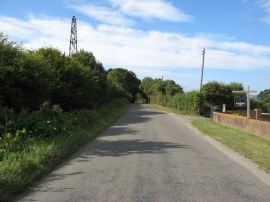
point(242, 113)
point(266, 117)
point(260, 128)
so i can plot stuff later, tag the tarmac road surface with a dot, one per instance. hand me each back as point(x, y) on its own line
point(149, 155)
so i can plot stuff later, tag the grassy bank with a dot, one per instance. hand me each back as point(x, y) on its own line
point(252, 147)
point(21, 167)
point(176, 111)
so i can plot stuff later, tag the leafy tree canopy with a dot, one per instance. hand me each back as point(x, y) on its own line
point(124, 81)
point(264, 95)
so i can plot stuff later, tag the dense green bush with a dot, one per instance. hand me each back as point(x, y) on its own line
point(25, 160)
point(263, 101)
point(159, 91)
point(47, 122)
point(123, 83)
point(44, 93)
point(168, 93)
point(186, 102)
point(30, 78)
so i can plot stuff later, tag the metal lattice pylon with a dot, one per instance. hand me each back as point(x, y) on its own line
point(73, 37)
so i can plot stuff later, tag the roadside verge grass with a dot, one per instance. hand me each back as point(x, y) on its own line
point(250, 146)
point(175, 111)
point(23, 168)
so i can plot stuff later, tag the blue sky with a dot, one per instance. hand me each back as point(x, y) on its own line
point(154, 37)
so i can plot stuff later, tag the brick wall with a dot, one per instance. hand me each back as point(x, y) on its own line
point(260, 128)
point(242, 113)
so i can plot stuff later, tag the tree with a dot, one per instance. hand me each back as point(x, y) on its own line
point(10, 52)
point(123, 83)
point(187, 102)
point(53, 57)
point(235, 86)
point(77, 88)
point(264, 100)
point(88, 60)
point(172, 88)
point(24, 78)
point(146, 87)
point(160, 91)
point(264, 95)
point(218, 93)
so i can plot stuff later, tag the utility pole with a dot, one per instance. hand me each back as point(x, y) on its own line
point(200, 101)
point(73, 37)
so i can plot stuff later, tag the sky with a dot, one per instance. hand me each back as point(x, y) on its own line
point(154, 38)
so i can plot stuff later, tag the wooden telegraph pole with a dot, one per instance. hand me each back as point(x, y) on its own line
point(247, 92)
point(200, 101)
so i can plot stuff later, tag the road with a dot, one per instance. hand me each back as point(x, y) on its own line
point(149, 155)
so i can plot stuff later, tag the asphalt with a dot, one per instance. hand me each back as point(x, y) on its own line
point(149, 155)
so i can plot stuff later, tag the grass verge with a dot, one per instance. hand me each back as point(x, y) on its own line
point(172, 110)
point(23, 168)
point(250, 146)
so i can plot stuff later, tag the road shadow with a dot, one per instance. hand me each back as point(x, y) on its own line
point(128, 147)
point(119, 130)
point(45, 186)
point(138, 113)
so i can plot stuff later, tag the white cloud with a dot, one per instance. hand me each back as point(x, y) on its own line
point(265, 5)
point(103, 14)
point(147, 53)
point(149, 9)
point(242, 47)
point(120, 12)
point(37, 32)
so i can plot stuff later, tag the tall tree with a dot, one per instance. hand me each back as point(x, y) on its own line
point(146, 87)
point(124, 83)
point(264, 95)
point(218, 93)
point(88, 60)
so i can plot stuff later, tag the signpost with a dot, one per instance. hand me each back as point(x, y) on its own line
point(247, 92)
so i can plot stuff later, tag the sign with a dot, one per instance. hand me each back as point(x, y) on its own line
point(240, 100)
point(247, 92)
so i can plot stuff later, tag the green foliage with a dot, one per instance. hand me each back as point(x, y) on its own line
point(186, 102)
point(29, 78)
point(123, 83)
point(146, 87)
point(265, 94)
point(217, 93)
point(88, 61)
point(10, 52)
point(23, 78)
point(45, 97)
point(169, 94)
point(158, 91)
point(26, 160)
point(264, 100)
point(235, 86)
point(54, 59)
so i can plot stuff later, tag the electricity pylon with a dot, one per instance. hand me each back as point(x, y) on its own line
point(73, 37)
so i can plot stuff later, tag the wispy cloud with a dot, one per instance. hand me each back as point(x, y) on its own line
point(103, 14)
point(37, 32)
point(151, 9)
point(265, 5)
point(121, 12)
